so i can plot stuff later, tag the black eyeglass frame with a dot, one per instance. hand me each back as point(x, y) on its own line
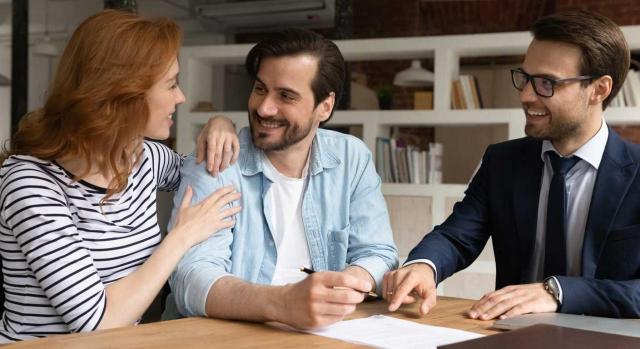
point(553, 82)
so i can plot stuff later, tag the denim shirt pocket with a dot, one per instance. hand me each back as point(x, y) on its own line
point(338, 246)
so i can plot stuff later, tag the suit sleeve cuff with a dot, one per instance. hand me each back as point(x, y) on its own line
point(425, 261)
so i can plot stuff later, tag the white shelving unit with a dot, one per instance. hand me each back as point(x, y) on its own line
point(202, 76)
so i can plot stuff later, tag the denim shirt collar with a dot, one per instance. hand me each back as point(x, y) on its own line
point(250, 160)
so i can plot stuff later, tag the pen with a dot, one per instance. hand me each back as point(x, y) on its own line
point(311, 271)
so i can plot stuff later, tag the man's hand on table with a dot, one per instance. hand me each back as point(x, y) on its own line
point(514, 300)
point(408, 284)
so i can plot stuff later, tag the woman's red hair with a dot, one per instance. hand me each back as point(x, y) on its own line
point(96, 108)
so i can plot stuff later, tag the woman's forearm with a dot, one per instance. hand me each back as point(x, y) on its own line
point(129, 297)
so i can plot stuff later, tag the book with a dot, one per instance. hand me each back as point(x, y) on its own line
point(627, 93)
point(423, 100)
point(393, 161)
point(380, 163)
point(410, 174)
point(633, 80)
point(467, 94)
point(424, 167)
point(416, 170)
point(477, 101)
point(458, 95)
point(435, 162)
point(401, 156)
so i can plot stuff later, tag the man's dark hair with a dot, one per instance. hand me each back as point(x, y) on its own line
point(604, 48)
point(331, 72)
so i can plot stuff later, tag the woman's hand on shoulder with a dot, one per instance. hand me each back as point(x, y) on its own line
point(195, 223)
point(218, 144)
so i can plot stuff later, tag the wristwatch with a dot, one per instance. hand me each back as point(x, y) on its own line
point(551, 286)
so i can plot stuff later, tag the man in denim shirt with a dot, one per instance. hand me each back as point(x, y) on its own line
point(311, 198)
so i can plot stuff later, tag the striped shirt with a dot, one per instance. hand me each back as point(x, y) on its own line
point(60, 247)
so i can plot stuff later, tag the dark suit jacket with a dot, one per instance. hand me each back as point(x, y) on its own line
point(502, 202)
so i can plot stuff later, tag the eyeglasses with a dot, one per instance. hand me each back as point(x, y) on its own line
point(542, 86)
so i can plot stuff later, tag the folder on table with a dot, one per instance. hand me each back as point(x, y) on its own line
point(624, 327)
point(549, 336)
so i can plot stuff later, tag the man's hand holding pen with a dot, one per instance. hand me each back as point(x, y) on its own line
point(321, 299)
point(311, 271)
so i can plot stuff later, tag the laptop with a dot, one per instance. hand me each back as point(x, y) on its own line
point(625, 327)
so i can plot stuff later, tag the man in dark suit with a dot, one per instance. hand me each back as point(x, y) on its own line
point(562, 205)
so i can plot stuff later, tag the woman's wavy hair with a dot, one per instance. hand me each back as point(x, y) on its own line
point(96, 108)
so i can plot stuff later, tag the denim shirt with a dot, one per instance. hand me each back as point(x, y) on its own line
point(343, 211)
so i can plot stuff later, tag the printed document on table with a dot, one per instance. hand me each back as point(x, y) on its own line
point(387, 332)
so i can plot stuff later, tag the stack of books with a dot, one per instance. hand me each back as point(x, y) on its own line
point(399, 162)
point(465, 93)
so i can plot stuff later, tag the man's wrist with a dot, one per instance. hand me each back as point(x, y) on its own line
point(361, 273)
point(276, 302)
point(428, 262)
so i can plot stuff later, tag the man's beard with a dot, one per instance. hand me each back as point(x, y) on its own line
point(559, 128)
point(555, 131)
point(292, 134)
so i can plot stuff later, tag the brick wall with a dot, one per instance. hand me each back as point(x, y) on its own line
point(623, 12)
point(385, 18)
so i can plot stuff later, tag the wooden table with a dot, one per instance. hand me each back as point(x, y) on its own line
point(209, 333)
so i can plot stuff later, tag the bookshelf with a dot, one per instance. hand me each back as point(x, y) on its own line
point(202, 79)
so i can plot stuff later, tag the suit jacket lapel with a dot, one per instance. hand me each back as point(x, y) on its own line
point(526, 193)
point(615, 175)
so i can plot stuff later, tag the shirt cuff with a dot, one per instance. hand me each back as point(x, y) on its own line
point(196, 292)
point(559, 289)
point(428, 262)
point(376, 267)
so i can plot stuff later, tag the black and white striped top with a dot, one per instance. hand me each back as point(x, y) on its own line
point(60, 248)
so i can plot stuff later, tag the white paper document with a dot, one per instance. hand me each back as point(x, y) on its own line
point(387, 332)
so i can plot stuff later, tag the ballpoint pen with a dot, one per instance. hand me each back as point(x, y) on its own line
point(311, 271)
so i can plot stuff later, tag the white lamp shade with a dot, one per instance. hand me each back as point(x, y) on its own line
point(414, 76)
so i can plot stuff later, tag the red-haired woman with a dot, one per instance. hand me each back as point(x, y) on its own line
point(80, 243)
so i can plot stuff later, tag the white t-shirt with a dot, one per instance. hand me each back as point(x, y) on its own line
point(285, 197)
